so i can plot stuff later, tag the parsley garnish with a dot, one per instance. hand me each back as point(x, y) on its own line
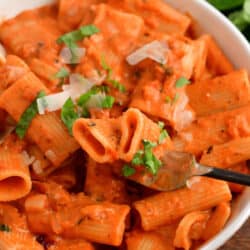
point(115, 83)
point(181, 82)
point(127, 170)
point(163, 132)
point(69, 114)
point(62, 74)
point(4, 228)
point(27, 117)
point(70, 39)
point(108, 102)
point(146, 158)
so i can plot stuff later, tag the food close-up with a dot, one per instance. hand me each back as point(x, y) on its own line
point(122, 127)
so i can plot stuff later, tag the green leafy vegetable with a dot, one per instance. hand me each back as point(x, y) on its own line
point(128, 171)
point(238, 11)
point(70, 39)
point(62, 74)
point(4, 228)
point(147, 158)
point(84, 98)
point(69, 114)
point(163, 133)
point(226, 4)
point(108, 102)
point(115, 83)
point(181, 82)
point(27, 117)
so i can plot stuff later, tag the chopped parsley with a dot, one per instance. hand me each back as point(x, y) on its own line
point(27, 117)
point(108, 102)
point(62, 74)
point(145, 158)
point(69, 114)
point(127, 170)
point(181, 82)
point(70, 39)
point(163, 132)
point(4, 228)
point(115, 83)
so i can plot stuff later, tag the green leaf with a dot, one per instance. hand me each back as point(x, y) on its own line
point(108, 102)
point(116, 84)
point(4, 228)
point(238, 19)
point(106, 67)
point(27, 117)
point(70, 39)
point(127, 171)
point(68, 114)
point(62, 73)
point(226, 4)
point(246, 11)
point(148, 144)
point(161, 125)
point(181, 82)
point(163, 135)
point(84, 98)
point(138, 158)
point(89, 30)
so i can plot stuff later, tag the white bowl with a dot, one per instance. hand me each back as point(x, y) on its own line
point(236, 48)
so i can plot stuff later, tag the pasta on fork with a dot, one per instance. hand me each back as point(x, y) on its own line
point(92, 93)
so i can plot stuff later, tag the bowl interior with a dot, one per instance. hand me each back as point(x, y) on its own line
point(235, 47)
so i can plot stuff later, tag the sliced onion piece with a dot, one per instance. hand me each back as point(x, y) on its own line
point(52, 102)
point(2, 54)
point(155, 50)
point(72, 55)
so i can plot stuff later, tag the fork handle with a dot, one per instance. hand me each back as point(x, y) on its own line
point(226, 175)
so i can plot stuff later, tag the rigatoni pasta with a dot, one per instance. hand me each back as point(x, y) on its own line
point(92, 95)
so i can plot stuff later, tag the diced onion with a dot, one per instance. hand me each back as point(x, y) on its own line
point(73, 55)
point(52, 102)
point(155, 50)
point(2, 54)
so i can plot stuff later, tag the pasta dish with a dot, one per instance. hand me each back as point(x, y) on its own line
point(92, 93)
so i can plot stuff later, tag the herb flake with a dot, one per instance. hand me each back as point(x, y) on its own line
point(181, 82)
point(127, 170)
point(27, 117)
point(69, 115)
